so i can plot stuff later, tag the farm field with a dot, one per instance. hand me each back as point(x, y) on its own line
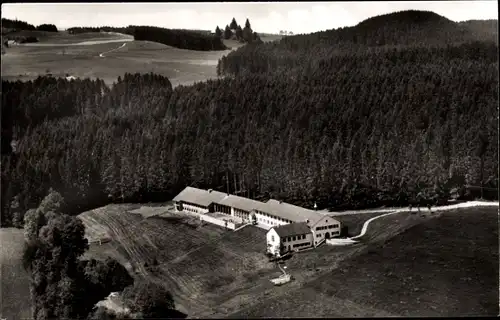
point(58, 55)
point(15, 300)
point(443, 264)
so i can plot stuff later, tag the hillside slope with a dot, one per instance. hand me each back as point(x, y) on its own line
point(446, 266)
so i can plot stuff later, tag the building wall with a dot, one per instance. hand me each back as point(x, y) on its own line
point(194, 208)
point(297, 242)
point(245, 215)
point(273, 242)
point(324, 226)
point(269, 220)
point(223, 209)
point(222, 223)
point(289, 242)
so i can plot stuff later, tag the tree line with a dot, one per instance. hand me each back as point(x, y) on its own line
point(22, 25)
point(64, 285)
point(179, 38)
point(235, 32)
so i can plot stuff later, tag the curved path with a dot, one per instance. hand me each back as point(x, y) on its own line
point(102, 54)
point(352, 240)
point(83, 43)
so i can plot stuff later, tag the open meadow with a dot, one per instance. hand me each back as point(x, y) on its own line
point(108, 56)
point(15, 302)
point(443, 264)
point(214, 272)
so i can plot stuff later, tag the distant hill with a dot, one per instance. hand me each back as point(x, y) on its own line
point(486, 29)
point(399, 28)
point(385, 32)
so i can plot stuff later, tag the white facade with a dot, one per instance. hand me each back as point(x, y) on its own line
point(194, 208)
point(269, 220)
point(327, 228)
point(273, 242)
point(293, 243)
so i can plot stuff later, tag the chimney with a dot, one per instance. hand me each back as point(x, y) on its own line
point(281, 202)
point(307, 220)
point(210, 190)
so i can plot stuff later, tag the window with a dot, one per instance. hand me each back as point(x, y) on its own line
point(317, 229)
point(294, 238)
point(272, 238)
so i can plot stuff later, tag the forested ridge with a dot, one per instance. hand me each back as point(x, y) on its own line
point(346, 125)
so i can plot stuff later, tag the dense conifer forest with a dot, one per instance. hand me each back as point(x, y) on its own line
point(384, 113)
point(16, 24)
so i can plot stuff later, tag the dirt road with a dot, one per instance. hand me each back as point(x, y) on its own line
point(102, 54)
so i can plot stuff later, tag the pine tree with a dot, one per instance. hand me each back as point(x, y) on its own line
point(233, 24)
point(218, 32)
point(228, 33)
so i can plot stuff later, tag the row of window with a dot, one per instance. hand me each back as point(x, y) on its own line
point(191, 210)
point(305, 244)
point(222, 208)
point(273, 217)
point(332, 226)
point(334, 233)
point(294, 238)
point(269, 222)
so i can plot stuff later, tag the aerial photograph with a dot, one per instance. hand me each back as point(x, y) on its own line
point(249, 160)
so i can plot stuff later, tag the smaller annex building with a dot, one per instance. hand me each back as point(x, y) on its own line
point(289, 237)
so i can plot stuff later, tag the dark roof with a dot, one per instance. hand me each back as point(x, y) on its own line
point(292, 229)
point(199, 196)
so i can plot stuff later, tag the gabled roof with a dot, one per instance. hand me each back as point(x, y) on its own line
point(241, 203)
point(199, 196)
point(291, 212)
point(292, 229)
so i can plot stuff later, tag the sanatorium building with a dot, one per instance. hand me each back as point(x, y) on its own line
point(290, 227)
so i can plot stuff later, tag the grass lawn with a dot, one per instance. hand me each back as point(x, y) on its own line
point(15, 292)
point(441, 265)
point(180, 66)
point(354, 222)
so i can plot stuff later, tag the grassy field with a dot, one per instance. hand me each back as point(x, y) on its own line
point(211, 272)
point(15, 292)
point(354, 222)
point(440, 265)
point(26, 62)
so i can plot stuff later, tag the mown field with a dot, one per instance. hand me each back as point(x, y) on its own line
point(15, 300)
point(26, 62)
point(442, 264)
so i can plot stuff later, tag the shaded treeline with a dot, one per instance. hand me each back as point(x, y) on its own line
point(183, 39)
point(22, 25)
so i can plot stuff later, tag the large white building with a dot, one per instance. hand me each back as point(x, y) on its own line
point(273, 215)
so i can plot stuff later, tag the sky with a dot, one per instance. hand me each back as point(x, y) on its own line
point(265, 17)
